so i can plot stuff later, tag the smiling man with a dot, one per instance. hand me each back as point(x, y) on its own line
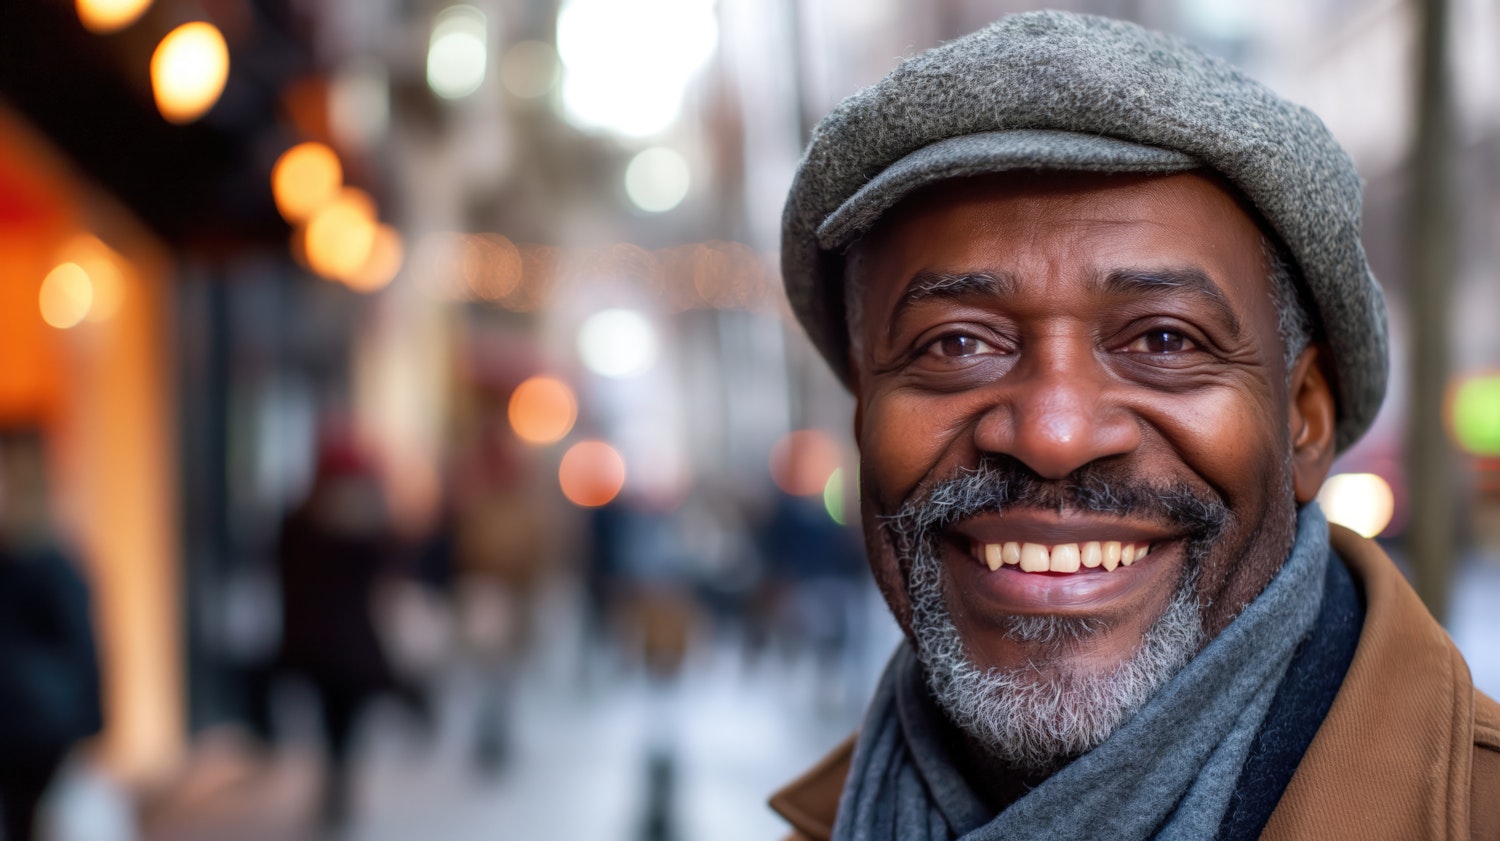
point(1102, 304)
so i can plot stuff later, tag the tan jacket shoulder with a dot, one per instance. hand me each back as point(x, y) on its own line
point(811, 802)
point(1409, 750)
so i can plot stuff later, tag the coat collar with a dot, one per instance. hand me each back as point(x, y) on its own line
point(1393, 757)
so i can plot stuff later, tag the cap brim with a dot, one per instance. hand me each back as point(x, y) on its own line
point(988, 153)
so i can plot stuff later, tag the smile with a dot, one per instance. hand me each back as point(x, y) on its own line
point(1060, 557)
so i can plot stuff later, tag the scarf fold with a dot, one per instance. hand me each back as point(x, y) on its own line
point(1167, 773)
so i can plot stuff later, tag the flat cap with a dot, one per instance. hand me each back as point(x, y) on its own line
point(1063, 91)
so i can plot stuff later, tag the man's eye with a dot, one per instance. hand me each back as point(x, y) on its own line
point(1161, 341)
point(957, 345)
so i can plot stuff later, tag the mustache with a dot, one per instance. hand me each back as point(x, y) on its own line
point(1000, 482)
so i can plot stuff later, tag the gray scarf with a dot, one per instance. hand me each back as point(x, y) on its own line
point(1167, 773)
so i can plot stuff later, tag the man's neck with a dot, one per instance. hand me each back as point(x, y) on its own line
point(996, 783)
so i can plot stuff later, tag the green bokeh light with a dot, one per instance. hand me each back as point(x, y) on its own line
point(1476, 415)
point(833, 496)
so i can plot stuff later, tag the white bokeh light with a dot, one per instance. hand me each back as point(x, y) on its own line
point(458, 52)
point(627, 63)
point(657, 179)
point(1362, 502)
point(617, 343)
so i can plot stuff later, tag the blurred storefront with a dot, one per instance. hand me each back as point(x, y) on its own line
point(86, 338)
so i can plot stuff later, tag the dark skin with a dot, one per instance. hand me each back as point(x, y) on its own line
point(1065, 320)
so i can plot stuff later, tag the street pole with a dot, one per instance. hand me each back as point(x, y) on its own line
point(1431, 254)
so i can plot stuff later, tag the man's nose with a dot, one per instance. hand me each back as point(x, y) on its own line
point(1057, 412)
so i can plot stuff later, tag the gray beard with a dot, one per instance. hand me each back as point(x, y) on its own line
point(1037, 718)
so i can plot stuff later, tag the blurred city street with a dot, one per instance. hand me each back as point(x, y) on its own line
point(405, 432)
point(584, 736)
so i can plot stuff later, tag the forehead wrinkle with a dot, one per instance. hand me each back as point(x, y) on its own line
point(1192, 280)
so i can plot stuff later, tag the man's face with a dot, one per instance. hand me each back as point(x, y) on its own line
point(1103, 351)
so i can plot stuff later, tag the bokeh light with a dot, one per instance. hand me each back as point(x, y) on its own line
point(833, 497)
point(382, 265)
point(305, 178)
point(591, 474)
point(1474, 415)
point(66, 295)
point(106, 273)
point(1361, 502)
point(626, 65)
point(492, 266)
point(530, 69)
point(188, 71)
point(458, 52)
point(102, 17)
point(803, 461)
point(542, 410)
point(617, 343)
point(657, 179)
point(341, 235)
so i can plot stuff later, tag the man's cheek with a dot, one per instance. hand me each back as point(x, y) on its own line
point(885, 563)
point(899, 448)
point(1220, 436)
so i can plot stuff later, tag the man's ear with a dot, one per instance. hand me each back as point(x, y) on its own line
point(1311, 419)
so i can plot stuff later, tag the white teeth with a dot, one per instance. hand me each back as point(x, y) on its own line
point(1034, 558)
point(1111, 552)
point(1090, 554)
point(1064, 558)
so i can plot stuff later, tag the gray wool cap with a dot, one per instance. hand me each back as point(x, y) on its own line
point(1063, 91)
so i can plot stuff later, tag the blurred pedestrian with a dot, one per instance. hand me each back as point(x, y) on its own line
point(49, 674)
point(505, 547)
point(334, 550)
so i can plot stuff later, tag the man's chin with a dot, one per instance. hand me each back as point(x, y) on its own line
point(1053, 636)
point(1062, 701)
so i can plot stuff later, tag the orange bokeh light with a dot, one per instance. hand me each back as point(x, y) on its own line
point(542, 410)
point(380, 269)
point(106, 270)
point(305, 177)
point(341, 236)
point(802, 461)
point(591, 474)
point(66, 294)
point(102, 17)
point(188, 71)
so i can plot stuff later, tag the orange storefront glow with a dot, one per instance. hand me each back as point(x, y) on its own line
point(802, 461)
point(341, 236)
point(305, 177)
point(542, 410)
point(105, 16)
point(188, 71)
point(592, 474)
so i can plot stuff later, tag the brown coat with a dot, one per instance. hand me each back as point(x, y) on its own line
point(1409, 750)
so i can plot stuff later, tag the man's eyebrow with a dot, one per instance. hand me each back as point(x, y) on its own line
point(1192, 280)
point(927, 285)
